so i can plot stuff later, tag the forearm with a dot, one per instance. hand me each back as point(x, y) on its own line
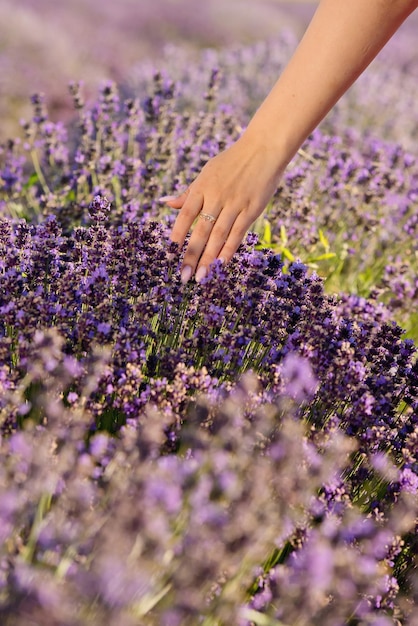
point(342, 39)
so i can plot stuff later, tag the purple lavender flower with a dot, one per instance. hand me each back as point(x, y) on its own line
point(298, 378)
point(233, 451)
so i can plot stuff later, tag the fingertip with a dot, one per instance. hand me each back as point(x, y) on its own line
point(174, 201)
point(165, 199)
point(186, 274)
point(225, 255)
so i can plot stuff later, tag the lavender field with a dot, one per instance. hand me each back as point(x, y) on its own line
point(242, 451)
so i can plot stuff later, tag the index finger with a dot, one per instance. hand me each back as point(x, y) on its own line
point(187, 215)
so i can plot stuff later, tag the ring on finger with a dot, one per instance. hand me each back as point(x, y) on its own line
point(207, 217)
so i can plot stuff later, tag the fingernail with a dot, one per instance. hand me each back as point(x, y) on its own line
point(200, 274)
point(221, 260)
point(186, 274)
point(167, 198)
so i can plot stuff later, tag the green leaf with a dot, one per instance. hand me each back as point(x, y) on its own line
point(267, 233)
point(70, 197)
point(323, 257)
point(32, 180)
point(283, 235)
point(324, 241)
point(287, 254)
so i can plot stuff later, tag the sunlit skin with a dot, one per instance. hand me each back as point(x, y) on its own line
point(235, 186)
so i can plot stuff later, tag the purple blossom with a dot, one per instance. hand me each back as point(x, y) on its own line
point(298, 378)
point(409, 480)
point(176, 454)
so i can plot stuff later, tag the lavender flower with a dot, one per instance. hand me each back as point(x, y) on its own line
point(230, 452)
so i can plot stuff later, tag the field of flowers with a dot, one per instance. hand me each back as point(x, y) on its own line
point(45, 44)
point(242, 451)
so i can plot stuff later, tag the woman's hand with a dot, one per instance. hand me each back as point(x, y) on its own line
point(228, 195)
point(233, 188)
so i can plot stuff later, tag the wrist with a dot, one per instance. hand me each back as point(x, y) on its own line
point(272, 145)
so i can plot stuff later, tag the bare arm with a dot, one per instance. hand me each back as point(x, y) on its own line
point(342, 39)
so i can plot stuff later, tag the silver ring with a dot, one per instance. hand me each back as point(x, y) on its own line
point(207, 217)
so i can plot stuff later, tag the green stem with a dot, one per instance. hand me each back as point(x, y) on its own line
point(44, 506)
point(39, 172)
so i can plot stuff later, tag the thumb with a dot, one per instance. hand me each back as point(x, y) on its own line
point(176, 202)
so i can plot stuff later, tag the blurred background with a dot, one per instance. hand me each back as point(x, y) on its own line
point(45, 44)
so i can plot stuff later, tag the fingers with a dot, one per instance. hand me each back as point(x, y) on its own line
point(235, 238)
point(190, 209)
point(210, 241)
point(176, 202)
point(217, 232)
point(224, 240)
point(207, 229)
